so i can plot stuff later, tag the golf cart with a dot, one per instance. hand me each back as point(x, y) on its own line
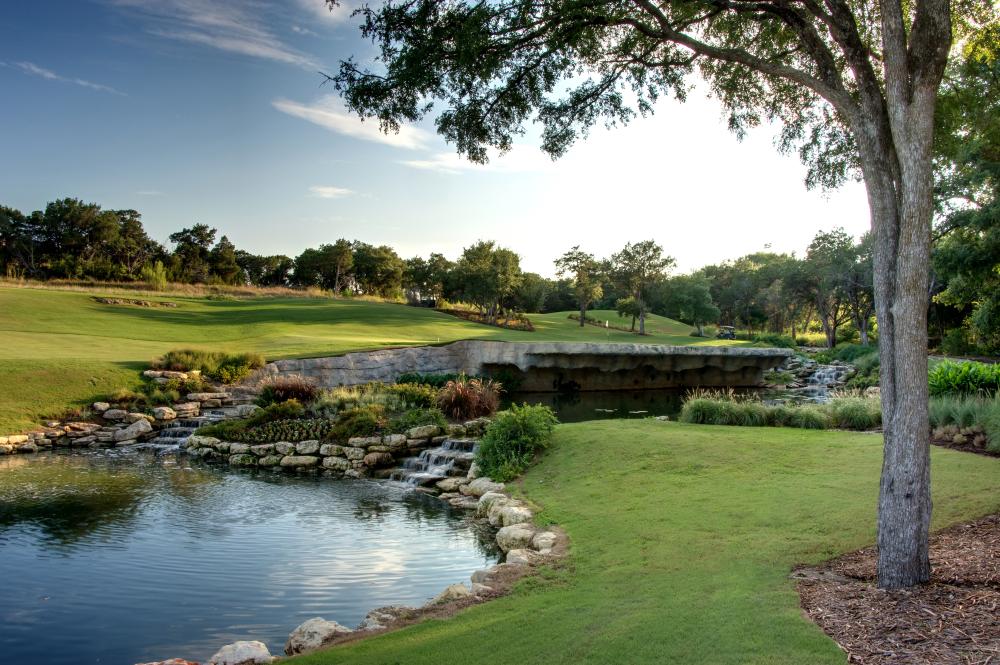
point(726, 332)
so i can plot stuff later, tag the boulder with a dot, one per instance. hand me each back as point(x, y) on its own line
point(473, 471)
point(331, 450)
point(336, 463)
point(395, 440)
point(481, 486)
point(464, 502)
point(307, 447)
point(451, 484)
point(6, 449)
point(115, 414)
point(284, 447)
point(364, 441)
point(100, 407)
point(17, 439)
point(515, 515)
point(125, 444)
point(544, 541)
point(133, 431)
point(136, 417)
point(422, 432)
point(481, 589)
point(522, 557)
point(243, 459)
point(313, 634)
point(516, 536)
point(354, 453)
point(164, 413)
point(450, 593)
point(196, 441)
point(486, 502)
point(204, 397)
point(376, 460)
point(250, 652)
point(381, 617)
point(262, 449)
point(244, 410)
point(27, 447)
point(238, 448)
point(299, 461)
point(269, 460)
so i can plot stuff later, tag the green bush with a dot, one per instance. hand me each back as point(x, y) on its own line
point(808, 417)
point(414, 395)
point(512, 440)
point(774, 340)
point(855, 412)
point(359, 421)
point(433, 380)
point(844, 352)
point(418, 417)
point(237, 429)
point(964, 378)
point(465, 398)
point(283, 388)
point(965, 411)
point(956, 343)
point(726, 408)
point(225, 367)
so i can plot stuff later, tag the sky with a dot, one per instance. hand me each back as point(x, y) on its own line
point(212, 111)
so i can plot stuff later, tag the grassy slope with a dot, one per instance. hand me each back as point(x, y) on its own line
point(61, 347)
point(683, 539)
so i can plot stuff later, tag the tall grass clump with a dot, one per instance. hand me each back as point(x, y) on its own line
point(466, 398)
point(275, 390)
point(853, 410)
point(224, 367)
point(512, 440)
point(956, 418)
point(964, 378)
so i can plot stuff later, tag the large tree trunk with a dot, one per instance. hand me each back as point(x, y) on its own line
point(583, 313)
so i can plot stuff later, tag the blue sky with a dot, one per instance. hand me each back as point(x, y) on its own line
point(212, 111)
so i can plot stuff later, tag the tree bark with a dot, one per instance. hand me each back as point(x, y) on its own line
point(583, 313)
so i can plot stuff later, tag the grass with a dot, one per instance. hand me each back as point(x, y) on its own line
point(61, 348)
point(683, 537)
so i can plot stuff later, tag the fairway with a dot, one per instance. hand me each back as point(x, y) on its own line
point(683, 537)
point(62, 348)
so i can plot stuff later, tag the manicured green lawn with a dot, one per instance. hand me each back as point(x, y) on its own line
point(61, 348)
point(683, 538)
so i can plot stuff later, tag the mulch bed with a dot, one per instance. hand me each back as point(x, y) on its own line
point(953, 619)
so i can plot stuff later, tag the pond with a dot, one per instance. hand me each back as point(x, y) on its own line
point(113, 557)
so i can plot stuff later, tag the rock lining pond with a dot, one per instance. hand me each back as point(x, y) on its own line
point(124, 557)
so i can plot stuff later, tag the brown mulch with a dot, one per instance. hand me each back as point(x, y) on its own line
point(955, 618)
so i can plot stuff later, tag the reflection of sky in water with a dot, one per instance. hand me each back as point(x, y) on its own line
point(141, 559)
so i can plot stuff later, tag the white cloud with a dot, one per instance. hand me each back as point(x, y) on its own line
point(330, 114)
point(35, 70)
point(235, 27)
point(328, 192)
point(527, 158)
point(299, 30)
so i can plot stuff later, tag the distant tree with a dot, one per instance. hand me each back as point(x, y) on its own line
point(133, 248)
point(529, 295)
point(377, 270)
point(687, 298)
point(191, 258)
point(629, 307)
point(859, 287)
point(265, 270)
point(829, 260)
point(341, 253)
point(222, 260)
point(635, 268)
point(486, 276)
point(561, 296)
point(585, 272)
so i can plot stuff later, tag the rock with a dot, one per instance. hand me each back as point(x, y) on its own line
point(394, 440)
point(115, 414)
point(27, 447)
point(241, 653)
point(212, 403)
point(126, 443)
point(314, 634)
point(452, 592)
point(455, 429)
point(516, 536)
point(473, 471)
point(284, 447)
point(136, 417)
point(243, 459)
point(238, 448)
point(544, 541)
point(133, 431)
point(481, 486)
point(299, 461)
point(100, 407)
point(375, 460)
point(354, 453)
point(381, 617)
point(331, 450)
point(244, 410)
point(481, 589)
point(422, 432)
point(204, 397)
point(6, 449)
point(307, 447)
point(187, 408)
point(464, 502)
point(522, 557)
point(486, 502)
point(336, 463)
point(515, 515)
point(451, 484)
point(17, 439)
point(197, 441)
point(364, 441)
point(164, 413)
point(269, 460)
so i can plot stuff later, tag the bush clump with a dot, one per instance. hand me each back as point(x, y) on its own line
point(465, 398)
point(964, 378)
point(432, 380)
point(774, 340)
point(967, 412)
point(280, 389)
point(414, 395)
point(236, 430)
point(846, 411)
point(359, 421)
point(855, 412)
point(512, 440)
point(417, 418)
point(224, 367)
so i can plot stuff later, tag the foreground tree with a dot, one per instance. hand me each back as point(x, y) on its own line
point(854, 84)
point(585, 272)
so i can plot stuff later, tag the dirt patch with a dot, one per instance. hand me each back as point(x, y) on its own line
point(953, 619)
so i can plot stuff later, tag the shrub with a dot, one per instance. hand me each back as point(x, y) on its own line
point(224, 367)
point(844, 352)
point(964, 378)
point(956, 343)
point(774, 340)
point(465, 398)
point(855, 412)
point(966, 411)
point(728, 408)
point(414, 395)
point(256, 428)
point(359, 421)
point(155, 276)
point(433, 380)
point(418, 417)
point(283, 388)
point(512, 440)
point(808, 417)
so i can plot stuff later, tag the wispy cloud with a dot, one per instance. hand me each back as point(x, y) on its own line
point(299, 30)
point(226, 25)
point(34, 70)
point(328, 192)
point(450, 163)
point(329, 113)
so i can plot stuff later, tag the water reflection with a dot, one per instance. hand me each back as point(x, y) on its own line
point(137, 558)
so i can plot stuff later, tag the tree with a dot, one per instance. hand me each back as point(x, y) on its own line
point(635, 268)
point(486, 276)
point(854, 84)
point(829, 259)
point(586, 276)
point(341, 253)
point(133, 248)
point(529, 295)
point(265, 270)
point(222, 260)
point(859, 287)
point(377, 270)
point(687, 298)
point(192, 252)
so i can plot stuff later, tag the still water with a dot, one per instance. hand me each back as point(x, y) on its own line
point(120, 558)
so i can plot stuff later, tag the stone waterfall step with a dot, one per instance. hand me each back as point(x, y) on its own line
point(452, 458)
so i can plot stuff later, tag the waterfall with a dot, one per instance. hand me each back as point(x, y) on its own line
point(452, 458)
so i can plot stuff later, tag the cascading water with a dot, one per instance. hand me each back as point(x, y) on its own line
point(452, 458)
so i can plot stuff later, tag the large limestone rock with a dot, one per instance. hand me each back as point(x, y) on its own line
point(481, 486)
point(422, 432)
point(133, 431)
point(544, 541)
point(164, 413)
point(307, 447)
point(114, 414)
point(376, 460)
point(450, 593)
point(486, 502)
point(314, 634)
point(514, 537)
point(382, 617)
point(299, 461)
point(249, 652)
